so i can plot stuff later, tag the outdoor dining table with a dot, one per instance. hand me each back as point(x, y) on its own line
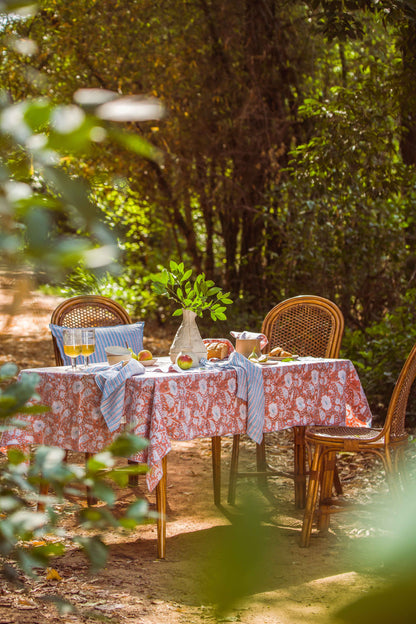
point(162, 405)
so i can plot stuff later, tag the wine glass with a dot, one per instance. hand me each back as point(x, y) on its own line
point(88, 344)
point(72, 338)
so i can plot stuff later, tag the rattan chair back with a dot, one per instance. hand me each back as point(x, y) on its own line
point(306, 325)
point(394, 425)
point(87, 311)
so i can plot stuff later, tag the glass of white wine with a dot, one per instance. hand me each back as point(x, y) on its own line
point(88, 344)
point(72, 337)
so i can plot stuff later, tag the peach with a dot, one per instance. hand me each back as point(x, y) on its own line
point(144, 354)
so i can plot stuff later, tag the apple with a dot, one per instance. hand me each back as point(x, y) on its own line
point(143, 355)
point(184, 361)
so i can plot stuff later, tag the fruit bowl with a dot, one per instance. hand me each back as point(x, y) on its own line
point(149, 362)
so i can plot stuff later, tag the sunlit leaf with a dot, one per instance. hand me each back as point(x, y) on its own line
point(52, 575)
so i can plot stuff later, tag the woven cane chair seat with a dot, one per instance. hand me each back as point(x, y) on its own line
point(343, 433)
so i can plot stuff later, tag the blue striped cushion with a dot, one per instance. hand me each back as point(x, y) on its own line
point(118, 335)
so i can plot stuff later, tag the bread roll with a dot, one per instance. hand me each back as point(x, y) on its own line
point(279, 352)
point(217, 350)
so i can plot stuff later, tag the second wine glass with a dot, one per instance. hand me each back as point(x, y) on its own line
point(88, 344)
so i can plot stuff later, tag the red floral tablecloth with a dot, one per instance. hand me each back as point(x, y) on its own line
point(165, 406)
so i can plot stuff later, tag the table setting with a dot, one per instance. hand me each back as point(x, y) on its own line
point(163, 402)
point(160, 401)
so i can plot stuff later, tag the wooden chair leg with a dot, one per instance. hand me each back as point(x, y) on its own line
point(216, 468)
point(233, 469)
point(161, 509)
point(327, 483)
point(337, 482)
point(299, 466)
point(392, 475)
point(400, 467)
point(311, 499)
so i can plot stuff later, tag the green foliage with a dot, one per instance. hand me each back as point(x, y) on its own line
point(198, 296)
point(379, 352)
point(130, 289)
point(46, 204)
point(355, 204)
point(23, 531)
point(38, 193)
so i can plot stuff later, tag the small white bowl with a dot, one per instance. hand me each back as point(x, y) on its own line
point(117, 354)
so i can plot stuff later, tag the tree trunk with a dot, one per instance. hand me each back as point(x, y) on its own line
point(408, 94)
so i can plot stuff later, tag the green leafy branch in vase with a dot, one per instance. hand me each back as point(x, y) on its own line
point(198, 295)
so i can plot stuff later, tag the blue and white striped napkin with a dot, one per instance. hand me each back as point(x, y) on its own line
point(112, 383)
point(250, 388)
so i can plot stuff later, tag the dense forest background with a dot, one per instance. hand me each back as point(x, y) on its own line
point(284, 163)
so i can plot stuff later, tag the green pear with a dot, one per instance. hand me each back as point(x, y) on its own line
point(133, 355)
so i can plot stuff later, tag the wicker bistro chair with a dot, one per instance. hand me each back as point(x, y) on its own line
point(387, 443)
point(88, 311)
point(306, 325)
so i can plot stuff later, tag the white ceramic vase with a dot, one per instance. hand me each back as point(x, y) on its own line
point(188, 339)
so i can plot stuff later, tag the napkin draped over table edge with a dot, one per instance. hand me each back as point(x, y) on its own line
point(250, 388)
point(112, 383)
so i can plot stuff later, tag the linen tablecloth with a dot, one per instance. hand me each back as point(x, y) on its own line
point(166, 406)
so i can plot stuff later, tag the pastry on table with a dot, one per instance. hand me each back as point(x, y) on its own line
point(279, 352)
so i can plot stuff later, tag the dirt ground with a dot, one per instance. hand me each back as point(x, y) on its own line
point(212, 553)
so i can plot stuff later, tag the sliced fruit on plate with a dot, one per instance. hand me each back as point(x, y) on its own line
point(261, 359)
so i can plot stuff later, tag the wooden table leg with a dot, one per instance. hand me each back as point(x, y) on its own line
point(261, 463)
point(233, 469)
point(133, 478)
point(43, 491)
point(91, 500)
point(44, 487)
point(300, 467)
point(161, 509)
point(216, 468)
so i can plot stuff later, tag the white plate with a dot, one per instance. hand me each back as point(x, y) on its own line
point(148, 362)
point(275, 358)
